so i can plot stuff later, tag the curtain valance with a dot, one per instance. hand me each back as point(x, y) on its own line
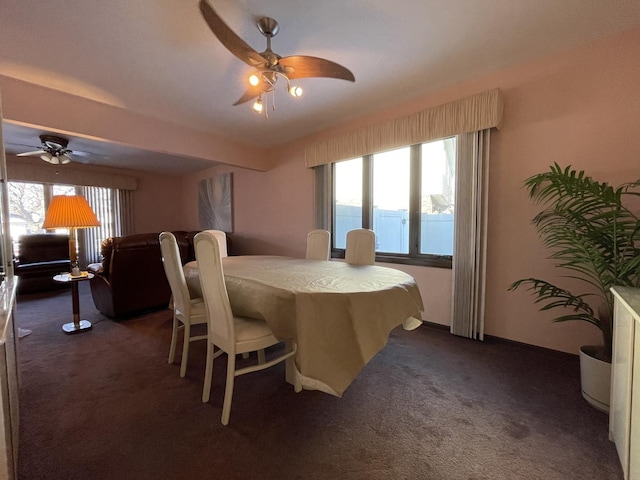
point(471, 114)
point(28, 171)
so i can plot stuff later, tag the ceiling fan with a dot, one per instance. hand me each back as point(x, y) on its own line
point(268, 65)
point(53, 150)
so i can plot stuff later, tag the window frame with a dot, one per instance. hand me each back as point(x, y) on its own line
point(414, 257)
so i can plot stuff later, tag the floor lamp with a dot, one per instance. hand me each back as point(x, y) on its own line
point(71, 212)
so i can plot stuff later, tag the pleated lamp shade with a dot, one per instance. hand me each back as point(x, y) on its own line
point(69, 211)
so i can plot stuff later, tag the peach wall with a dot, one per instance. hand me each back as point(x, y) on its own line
point(157, 200)
point(157, 204)
point(273, 211)
point(580, 107)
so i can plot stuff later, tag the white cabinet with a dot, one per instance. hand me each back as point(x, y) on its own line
point(624, 415)
point(8, 384)
point(9, 421)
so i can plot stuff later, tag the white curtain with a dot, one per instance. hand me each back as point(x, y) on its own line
point(470, 241)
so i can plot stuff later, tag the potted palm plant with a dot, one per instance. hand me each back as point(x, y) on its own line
point(595, 237)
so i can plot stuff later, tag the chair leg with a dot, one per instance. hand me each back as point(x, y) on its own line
point(208, 373)
point(185, 349)
point(261, 358)
point(174, 340)
point(228, 391)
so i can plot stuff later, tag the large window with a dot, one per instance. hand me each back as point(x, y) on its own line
point(406, 196)
point(28, 203)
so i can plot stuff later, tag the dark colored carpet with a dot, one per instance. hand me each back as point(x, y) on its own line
point(106, 405)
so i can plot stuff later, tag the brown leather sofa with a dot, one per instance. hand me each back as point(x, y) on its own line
point(40, 257)
point(131, 279)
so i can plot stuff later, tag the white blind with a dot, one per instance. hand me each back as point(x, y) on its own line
point(114, 210)
point(470, 244)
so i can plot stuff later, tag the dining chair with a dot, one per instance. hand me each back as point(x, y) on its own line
point(318, 245)
point(361, 247)
point(222, 241)
point(187, 311)
point(231, 334)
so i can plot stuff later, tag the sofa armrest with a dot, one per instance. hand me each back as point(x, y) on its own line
point(102, 295)
point(95, 268)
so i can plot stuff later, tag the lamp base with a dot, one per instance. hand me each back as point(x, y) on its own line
point(82, 326)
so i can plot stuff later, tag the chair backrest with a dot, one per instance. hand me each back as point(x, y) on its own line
point(175, 275)
point(361, 247)
point(42, 247)
point(222, 241)
point(214, 290)
point(318, 245)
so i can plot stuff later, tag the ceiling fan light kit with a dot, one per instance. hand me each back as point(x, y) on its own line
point(55, 159)
point(53, 150)
point(268, 65)
point(257, 106)
point(266, 82)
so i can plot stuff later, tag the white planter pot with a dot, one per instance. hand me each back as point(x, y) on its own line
point(595, 378)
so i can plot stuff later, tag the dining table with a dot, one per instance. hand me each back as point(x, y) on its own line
point(338, 315)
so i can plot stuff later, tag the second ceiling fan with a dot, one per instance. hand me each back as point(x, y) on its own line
point(268, 65)
point(53, 150)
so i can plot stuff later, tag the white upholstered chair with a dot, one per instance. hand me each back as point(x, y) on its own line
point(318, 245)
point(187, 311)
point(231, 334)
point(361, 247)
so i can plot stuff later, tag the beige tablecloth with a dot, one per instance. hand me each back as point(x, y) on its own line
point(339, 315)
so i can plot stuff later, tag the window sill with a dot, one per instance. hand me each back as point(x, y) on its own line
point(433, 261)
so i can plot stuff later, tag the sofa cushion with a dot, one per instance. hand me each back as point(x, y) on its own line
point(42, 247)
point(39, 269)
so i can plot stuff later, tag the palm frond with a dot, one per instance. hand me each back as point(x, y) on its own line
point(591, 233)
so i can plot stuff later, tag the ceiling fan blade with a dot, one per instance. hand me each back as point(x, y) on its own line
point(29, 154)
point(228, 37)
point(301, 66)
point(250, 94)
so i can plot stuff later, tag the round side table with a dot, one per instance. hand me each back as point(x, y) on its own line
point(77, 325)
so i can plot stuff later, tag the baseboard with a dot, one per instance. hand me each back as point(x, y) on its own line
point(506, 341)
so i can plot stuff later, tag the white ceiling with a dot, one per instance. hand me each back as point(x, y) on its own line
point(158, 58)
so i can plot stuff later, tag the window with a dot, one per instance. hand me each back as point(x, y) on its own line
point(28, 203)
point(437, 194)
point(26, 208)
point(390, 197)
point(348, 199)
point(406, 196)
